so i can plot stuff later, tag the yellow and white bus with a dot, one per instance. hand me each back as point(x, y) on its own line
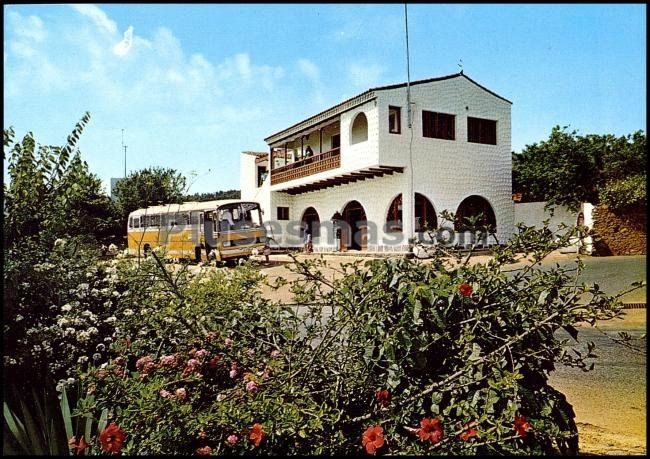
point(223, 230)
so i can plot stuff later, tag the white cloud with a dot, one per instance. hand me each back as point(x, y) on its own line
point(100, 18)
point(150, 85)
point(310, 70)
point(365, 74)
point(123, 47)
point(30, 28)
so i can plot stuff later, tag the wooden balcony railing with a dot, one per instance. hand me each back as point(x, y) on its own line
point(307, 166)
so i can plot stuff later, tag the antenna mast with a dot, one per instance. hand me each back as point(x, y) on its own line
point(408, 69)
point(124, 146)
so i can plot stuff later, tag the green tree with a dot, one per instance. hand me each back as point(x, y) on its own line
point(213, 196)
point(51, 193)
point(148, 187)
point(568, 169)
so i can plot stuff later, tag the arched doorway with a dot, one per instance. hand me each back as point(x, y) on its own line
point(478, 209)
point(425, 215)
point(311, 218)
point(355, 236)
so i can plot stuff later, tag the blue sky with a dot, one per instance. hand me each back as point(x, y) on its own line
point(194, 85)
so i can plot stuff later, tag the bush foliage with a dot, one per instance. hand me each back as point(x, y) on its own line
point(395, 357)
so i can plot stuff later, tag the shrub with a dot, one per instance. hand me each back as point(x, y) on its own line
point(395, 357)
point(630, 191)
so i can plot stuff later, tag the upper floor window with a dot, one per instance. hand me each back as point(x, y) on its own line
point(438, 125)
point(336, 141)
point(262, 173)
point(394, 120)
point(359, 129)
point(481, 131)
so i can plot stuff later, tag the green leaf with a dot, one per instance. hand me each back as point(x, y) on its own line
point(16, 428)
point(65, 412)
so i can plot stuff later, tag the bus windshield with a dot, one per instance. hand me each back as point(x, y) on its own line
point(239, 216)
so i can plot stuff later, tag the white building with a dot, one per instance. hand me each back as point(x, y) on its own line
point(386, 178)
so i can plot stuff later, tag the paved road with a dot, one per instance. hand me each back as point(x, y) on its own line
point(610, 401)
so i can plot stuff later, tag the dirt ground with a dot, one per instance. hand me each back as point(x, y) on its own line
point(610, 402)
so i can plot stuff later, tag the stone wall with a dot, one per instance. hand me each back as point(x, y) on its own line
point(620, 233)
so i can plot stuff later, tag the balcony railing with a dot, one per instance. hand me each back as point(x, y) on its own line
point(307, 166)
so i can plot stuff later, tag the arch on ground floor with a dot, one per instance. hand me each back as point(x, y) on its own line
point(425, 215)
point(311, 219)
point(354, 235)
point(475, 212)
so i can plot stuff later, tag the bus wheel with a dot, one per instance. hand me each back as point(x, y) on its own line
point(147, 250)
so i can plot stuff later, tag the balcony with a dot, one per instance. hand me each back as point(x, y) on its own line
point(307, 166)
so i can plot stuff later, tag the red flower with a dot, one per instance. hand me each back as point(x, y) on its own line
point(78, 447)
point(521, 426)
point(468, 431)
point(256, 435)
point(465, 289)
point(205, 451)
point(112, 438)
point(383, 398)
point(373, 439)
point(430, 429)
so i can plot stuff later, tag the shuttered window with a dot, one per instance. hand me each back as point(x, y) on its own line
point(480, 130)
point(438, 125)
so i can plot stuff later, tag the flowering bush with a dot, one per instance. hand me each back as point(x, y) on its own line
point(395, 357)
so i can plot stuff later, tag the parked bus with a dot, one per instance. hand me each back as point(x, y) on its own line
point(220, 230)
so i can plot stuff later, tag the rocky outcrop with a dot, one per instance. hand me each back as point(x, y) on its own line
point(620, 232)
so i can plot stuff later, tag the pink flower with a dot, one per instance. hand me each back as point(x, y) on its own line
point(233, 374)
point(201, 354)
point(145, 365)
point(204, 451)
point(232, 439)
point(275, 354)
point(165, 393)
point(168, 360)
point(251, 386)
point(228, 342)
point(181, 393)
point(191, 366)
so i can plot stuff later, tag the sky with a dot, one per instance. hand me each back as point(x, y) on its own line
point(189, 87)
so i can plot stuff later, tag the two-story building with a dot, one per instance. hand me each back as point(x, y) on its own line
point(383, 173)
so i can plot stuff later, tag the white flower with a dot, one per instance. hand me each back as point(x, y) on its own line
point(70, 381)
point(93, 331)
point(19, 318)
point(82, 359)
point(128, 312)
point(83, 336)
point(69, 331)
point(110, 319)
point(87, 313)
point(66, 307)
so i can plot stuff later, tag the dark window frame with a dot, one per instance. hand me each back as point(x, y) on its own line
point(282, 213)
point(481, 130)
point(398, 119)
point(438, 125)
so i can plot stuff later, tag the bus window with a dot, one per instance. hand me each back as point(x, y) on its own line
point(155, 220)
point(136, 222)
point(130, 222)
